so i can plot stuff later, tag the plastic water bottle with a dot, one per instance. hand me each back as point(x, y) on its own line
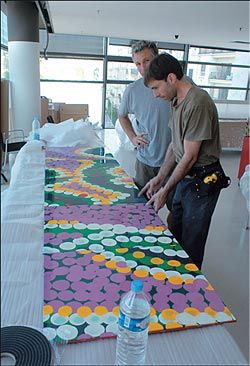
point(133, 324)
point(36, 129)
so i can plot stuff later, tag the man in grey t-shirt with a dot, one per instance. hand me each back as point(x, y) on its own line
point(152, 117)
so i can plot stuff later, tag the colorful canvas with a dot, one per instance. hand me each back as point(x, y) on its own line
point(91, 254)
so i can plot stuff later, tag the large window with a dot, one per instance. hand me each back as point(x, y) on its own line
point(223, 73)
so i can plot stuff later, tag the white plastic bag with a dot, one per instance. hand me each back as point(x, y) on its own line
point(124, 140)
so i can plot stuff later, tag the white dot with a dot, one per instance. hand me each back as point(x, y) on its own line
point(182, 254)
point(67, 245)
point(65, 226)
point(94, 330)
point(156, 270)
point(96, 237)
point(81, 241)
point(93, 226)
point(122, 239)
point(96, 248)
point(75, 319)
point(156, 249)
point(150, 239)
point(109, 242)
point(80, 226)
point(136, 239)
point(50, 333)
point(108, 254)
point(106, 227)
point(131, 264)
point(132, 229)
point(67, 332)
point(106, 233)
point(58, 320)
point(170, 252)
point(164, 239)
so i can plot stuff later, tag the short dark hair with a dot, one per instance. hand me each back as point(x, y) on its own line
point(161, 66)
point(138, 46)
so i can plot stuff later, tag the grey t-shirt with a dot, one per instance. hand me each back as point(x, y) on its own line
point(196, 119)
point(152, 115)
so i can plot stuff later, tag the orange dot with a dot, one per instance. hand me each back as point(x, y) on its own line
point(149, 227)
point(156, 260)
point(73, 222)
point(192, 311)
point(159, 228)
point(191, 267)
point(174, 263)
point(100, 310)
point(84, 251)
point(189, 280)
point(65, 310)
point(123, 269)
point(138, 254)
point(47, 309)
point(227, 311)
point(169, 314)
point(141, 273)
point(160, 276)
point(175, 280)
point(121, 250)
point(111, 264)
point(153, 326)
point(98, 258)
point(173, 325)
point(210, 311)
point(83, 311)
point(152, 311)
point(116, 310)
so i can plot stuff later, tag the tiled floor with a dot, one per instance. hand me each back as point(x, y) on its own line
point(226, 263)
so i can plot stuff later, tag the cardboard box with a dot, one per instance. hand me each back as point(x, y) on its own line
point(75, 111)
point(44, 110)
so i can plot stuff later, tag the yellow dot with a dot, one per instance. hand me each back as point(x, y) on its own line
point(140, 273)
point(227, 311)
point(84, 251)
point(121, 250)
point(191, 267)
point(174, 263)
point(74, 222)
point(189, 280)
point(160, 276)
point(100, 310)
point(138, 254)
point(192, 311)
point(111, 264)
point(159, 228)
point(152, 311)
point(83, 311)
point(153, 326)
point(62, 222)
point(116, 310)
point(52, 222)
point(65, 310)
point(123, 269)
point(173, 325)
point(169, 314)
point(210, 311)
point(47, 309)
point(149, 227)
point(98, 258)
point(175, 280)
point(210, 287)
point(156, 260)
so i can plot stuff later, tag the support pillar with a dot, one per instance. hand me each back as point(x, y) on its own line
point(24, 69)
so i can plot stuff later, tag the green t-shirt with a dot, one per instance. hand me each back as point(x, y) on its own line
point(196, 119)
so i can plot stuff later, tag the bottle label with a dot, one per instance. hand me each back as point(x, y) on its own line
point(134, 325)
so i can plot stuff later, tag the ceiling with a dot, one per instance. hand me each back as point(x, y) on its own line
point(205, 23)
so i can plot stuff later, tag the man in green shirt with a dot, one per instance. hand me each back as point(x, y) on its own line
point(195, 148)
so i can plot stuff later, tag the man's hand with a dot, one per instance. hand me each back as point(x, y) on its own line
point(139, 140)
point(158, 200)
point(151, 187)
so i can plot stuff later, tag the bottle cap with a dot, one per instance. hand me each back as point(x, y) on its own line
point(137, 285)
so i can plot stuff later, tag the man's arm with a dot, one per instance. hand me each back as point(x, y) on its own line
point(191, 152)
point(137, 140)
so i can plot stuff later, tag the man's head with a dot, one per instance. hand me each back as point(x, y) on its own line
point(162, 76)
point(143, 53)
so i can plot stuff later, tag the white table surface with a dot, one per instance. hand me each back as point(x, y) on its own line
point(22, 283)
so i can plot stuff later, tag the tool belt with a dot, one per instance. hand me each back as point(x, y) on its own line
point(212, 176)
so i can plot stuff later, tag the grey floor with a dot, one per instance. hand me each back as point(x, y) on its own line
point(226, 263)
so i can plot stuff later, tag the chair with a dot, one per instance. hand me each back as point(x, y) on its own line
point(11, 141)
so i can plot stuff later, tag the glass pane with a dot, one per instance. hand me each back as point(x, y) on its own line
point(177, 54)
point(119, 50)
point(218, 56)
point(216, 75)
point(76, 93)
point(4, 64)
point(226, 94)
point(71, 69)
point(4, 29)
point(113, 99)
point(122, 71)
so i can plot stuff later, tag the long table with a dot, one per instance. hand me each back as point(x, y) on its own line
point(22, 283)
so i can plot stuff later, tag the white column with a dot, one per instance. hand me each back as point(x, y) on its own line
point(24, 74)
